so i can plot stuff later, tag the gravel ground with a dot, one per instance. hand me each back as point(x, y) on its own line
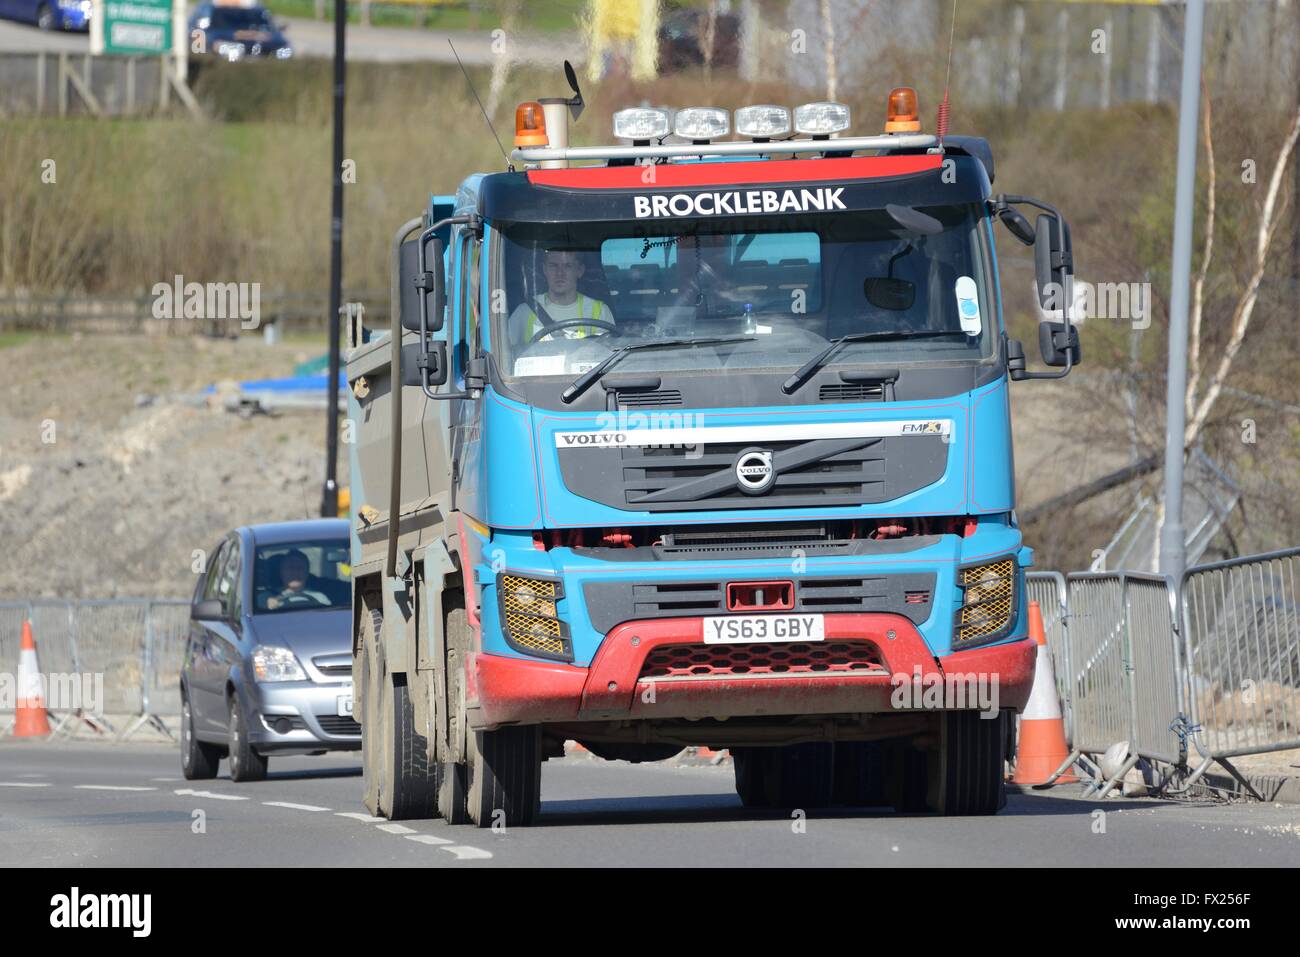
point(108, 480)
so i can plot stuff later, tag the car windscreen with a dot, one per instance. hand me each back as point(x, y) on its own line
point(788, 284)
point(301, 576)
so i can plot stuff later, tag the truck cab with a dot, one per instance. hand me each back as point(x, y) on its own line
point(705, 444)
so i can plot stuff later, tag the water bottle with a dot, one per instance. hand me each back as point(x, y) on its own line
point(750, 327)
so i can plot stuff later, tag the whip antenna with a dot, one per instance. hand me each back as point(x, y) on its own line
point(941, 124)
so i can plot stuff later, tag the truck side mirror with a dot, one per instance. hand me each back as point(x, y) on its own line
point(1053, 261)
point(1055, 340)
point(435, 358)
point(429, 286)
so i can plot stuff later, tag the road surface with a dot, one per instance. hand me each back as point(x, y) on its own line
point(109, 805)
point(315, 38)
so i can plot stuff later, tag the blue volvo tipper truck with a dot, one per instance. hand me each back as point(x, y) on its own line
point(702, 439)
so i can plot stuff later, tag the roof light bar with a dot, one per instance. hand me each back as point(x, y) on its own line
point(641, 123)
point(821, 119)
point(702, 123)
point(763, 120)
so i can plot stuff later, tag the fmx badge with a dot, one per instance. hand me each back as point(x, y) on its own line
point(922, 428)
point(132, 27)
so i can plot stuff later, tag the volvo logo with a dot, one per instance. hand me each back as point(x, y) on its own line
point(754, 472)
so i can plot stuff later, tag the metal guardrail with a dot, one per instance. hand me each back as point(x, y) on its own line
point(1242, 640)
point(136, 644)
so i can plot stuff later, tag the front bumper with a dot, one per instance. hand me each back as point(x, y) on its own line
point(311, 709)
point(507, 690)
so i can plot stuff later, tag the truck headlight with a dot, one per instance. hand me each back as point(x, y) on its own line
point(530, 617)
point(273, 663)
point(988, 606)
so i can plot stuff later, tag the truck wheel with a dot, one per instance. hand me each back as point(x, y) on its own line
point(794, 776)
point(453, 776)
point(366, 704)
point(860, 774)
point(751, 775)
point(245, 763)
point(962, 776)
point(399, 781)
point(198, 760)
point(505, 776)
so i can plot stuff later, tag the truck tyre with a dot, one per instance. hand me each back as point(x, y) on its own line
point(794, 776)
point(245, 763)
point(961, 776)
point(399, 781)
point(505, 776)
point(198, 760)
point(970, 767)
point(860, 774)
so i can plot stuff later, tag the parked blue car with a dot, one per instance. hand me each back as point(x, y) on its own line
point(49, 14)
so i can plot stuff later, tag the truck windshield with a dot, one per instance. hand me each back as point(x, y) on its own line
point(786, 286)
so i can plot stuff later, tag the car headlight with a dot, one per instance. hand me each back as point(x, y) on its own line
point(530, 618)
point(988, 606)
point(273, 663)
point(231, 51)
point(284, 53)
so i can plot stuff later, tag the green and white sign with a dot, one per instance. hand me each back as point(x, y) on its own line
point(132, 27)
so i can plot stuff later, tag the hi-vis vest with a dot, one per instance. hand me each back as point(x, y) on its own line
point(575, 332)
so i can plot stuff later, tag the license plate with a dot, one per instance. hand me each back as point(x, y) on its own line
point(738, 629)
point(345, 706)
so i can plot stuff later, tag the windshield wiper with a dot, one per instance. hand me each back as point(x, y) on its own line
point(819, 360)
point(584, 381)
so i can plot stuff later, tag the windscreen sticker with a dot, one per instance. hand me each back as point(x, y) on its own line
point(968, 306)
point(539, 365)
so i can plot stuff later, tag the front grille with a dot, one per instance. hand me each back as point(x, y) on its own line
point(338, 724)
point(658, 476)
point(670, 662)
point(335, 671)
point(611, 603)
point(811, 473)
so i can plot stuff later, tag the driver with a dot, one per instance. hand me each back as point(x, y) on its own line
point(560, 303)
point(294, 576)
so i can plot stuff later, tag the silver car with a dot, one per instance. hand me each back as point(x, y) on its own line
point(268, 663)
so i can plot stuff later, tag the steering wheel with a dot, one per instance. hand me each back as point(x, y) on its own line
point(297, 598)
point(547, 330)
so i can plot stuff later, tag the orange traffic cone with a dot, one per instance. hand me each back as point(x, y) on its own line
point(31, 719)
point(1041, 747)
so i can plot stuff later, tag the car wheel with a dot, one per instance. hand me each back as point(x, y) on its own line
point(198, 760)
point(245, 763)
point(45, 17)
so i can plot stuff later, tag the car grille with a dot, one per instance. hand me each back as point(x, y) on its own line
point(669, 662)
point(338, 724)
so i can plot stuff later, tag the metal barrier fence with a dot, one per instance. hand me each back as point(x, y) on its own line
point(1049, 590)
point(136, 644)
point(1242, 631)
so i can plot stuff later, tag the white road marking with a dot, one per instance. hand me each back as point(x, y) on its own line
point(396, 829)
point(111, 787)
point(166, 780)
point(210, 794)
point(358, 816)
point(464, 852)
point(295, 807)
point(428, 839)
point(24, 784)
